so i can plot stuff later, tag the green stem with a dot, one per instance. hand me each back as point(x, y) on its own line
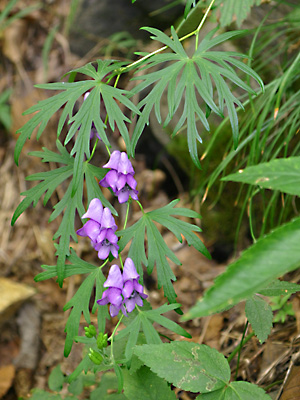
point(273, 384)
point(105, 262)
point(141, 207)
point(239, 351)
point(111, 338)
point(247, 338)
point(121, 262)
point(126, 216)
point(202, 22)
point(195, 32)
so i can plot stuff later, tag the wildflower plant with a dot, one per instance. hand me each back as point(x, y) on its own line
point(143, 360)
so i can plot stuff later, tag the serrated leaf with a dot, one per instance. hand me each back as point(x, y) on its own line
point(80, 305)
point(279, 174)
point(144, 385)
point(187, 78)
point(260, 316)
point(237, 391)
point(269, 258)
point(278, 288)
point(158, 251)
point(232, 10)
point(189, 366)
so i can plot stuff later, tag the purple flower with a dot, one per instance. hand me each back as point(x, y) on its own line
point(120, 178)
point(100, 229)
point(132, 290)
point(120, 162)
point(124, 291)
point(113, 294)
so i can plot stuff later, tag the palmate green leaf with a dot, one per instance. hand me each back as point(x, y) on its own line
point(188, 78)
point(232, 10)
point(158, 251)
point(88, 114)
point(237, 391)
point(188, 366)
point(280, 174)
point(145, 385)
point(260, 316)
point(80, 305)
point(278, 288)
point(269, 258)
point(142, 321)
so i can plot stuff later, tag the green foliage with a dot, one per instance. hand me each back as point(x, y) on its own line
point(237, 391)
point(232, 10)
point(184, 83)
point(196, 368)
point(157, 248)
point(56, 379)
point(69, 204)
point(270, 257)
point(88, 114)
point(145, 385)
point(280, 174)
point(107, 388)
point(142, 320)
point(260, 316)
point(6, 20)
point(278, 288)
point(283, 308)
point(5, 118)
point(80, 305)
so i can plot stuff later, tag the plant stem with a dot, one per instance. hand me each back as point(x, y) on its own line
point(111, 338)
point(247, 338)
point(105, 262)
point(195, 32)
point(126, 216)
point(202, 22)
point(141, 207)
point(239, 350)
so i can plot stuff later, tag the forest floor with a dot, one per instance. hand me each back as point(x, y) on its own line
point(32, 318)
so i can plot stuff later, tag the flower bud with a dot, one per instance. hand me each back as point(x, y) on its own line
point(90, 331)
point(102, 340)
point(95, 357)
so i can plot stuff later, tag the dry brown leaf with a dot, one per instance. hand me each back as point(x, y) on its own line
point(291, 390)
point(7, 374)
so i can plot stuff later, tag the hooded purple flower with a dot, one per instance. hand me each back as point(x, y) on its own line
point(100, 229)
point(124, 291)
point(132, 290)
point(120, 178)
point(113, 294)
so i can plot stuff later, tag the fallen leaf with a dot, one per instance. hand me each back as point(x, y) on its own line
point(7, 374)
point(291, 390)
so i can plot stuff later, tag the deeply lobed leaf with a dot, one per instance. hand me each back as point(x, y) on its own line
point(188, 78)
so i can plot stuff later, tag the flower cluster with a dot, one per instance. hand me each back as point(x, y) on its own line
point(124, 291)
point(120, 178)
point(100, 229)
